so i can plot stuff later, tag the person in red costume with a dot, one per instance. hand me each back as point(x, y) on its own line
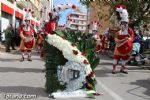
point(123, 39)
point(51, 25)
point(40, 40)
point(27, 36)
point(97, 40)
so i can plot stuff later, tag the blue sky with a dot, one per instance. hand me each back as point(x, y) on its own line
point(65, 13)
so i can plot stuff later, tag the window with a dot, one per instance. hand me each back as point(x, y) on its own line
point(74, 16)
point(73, 26)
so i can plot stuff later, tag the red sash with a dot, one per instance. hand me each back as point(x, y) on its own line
point(126, 48)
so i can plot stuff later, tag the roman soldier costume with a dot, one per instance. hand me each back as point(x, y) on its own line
point(97, 39)
point(123, 38)
point(27, 36)
point(40, 40)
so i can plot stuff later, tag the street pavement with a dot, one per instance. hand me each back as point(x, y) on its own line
point(27, 78)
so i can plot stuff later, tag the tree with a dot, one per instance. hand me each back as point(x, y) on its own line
point(139, 10)
point(86, 2)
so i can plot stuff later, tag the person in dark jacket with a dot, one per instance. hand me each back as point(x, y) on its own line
point(8, 37)
point(13, 37)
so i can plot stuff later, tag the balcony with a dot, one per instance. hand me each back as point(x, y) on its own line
point(82, 28)
point(78, 18)
point(81, 24)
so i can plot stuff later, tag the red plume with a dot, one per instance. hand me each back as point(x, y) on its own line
point(29, 10)
point(50, 14)
point(74, 7)
point(120, 6)
point(25, 10)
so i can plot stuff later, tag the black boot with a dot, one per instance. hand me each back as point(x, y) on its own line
point(7, 50)
point(13, 48)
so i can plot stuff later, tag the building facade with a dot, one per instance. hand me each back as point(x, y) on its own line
point(12, 12)
point(99, 12)
point(77, 21)
point(46, 7)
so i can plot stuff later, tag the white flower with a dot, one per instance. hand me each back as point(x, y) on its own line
point(67, 50)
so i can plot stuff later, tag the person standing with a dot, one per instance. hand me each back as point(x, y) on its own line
point(97, 39)
point(40, 40)
point(27, 36)
point(123, 39)
point(8, 37)
point(13, 38)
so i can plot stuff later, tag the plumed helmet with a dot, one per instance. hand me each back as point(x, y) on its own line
point(121, 9)
point(28, 14)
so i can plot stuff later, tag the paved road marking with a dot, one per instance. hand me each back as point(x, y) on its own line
point(109, 91)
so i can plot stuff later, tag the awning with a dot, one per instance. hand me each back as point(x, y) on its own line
point(19, 15)
point(7, 9)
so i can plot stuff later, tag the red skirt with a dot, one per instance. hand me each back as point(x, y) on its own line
point(30, 44)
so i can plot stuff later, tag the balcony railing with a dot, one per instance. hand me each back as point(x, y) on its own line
point(78, 18)
point(81, 24)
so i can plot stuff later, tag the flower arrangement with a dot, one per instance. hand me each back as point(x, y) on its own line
point(74, 60)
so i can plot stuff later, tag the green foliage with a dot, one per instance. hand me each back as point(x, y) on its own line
point(86, 2)
point(53, 58)
point(139, 10)
point(84, 43)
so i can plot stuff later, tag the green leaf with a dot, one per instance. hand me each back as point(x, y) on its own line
point(95, 63)
point(61, 34)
